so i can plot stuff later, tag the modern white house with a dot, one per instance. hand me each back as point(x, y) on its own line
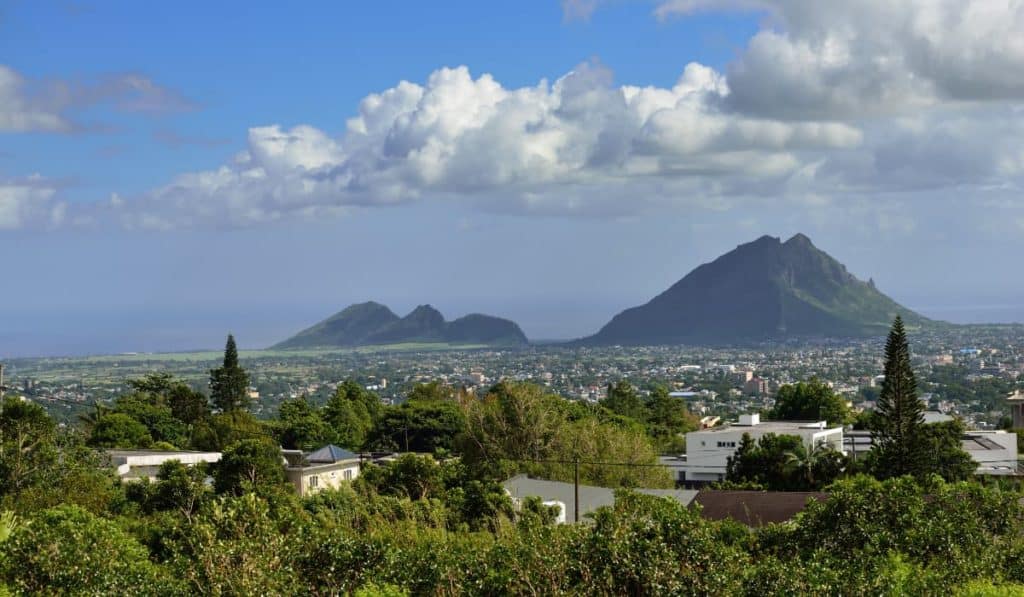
point(708, 450)
point(328, 467)
point(136, 465)
point(994, 451)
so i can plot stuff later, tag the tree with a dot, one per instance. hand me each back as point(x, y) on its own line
point(943, 451)
point(622, 399)
point(223, 429)
point(433, 391)
point(152, 411)
point(517, 427)
point(28, 446)
point(118, 430)
point(412, 476)
point(179, 488)
point(784, 463)
point(300, 426)
point(418, 426)
point(668, 420)
point(899, 414)
point(817, 466)
point(68, 551)
point(187, 405)
point(350, 414)
point(247, 466)
point(229, 384)
point(810, 401)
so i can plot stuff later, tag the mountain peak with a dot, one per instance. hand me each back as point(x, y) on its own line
point(761, 290)
point(799, 240)
point(371, 323)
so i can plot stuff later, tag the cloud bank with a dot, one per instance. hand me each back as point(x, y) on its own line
point(829, 104)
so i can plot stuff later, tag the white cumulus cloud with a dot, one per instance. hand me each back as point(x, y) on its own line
point(576, 146)
point(29, 202)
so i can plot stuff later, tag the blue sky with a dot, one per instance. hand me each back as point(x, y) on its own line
point(172, 171)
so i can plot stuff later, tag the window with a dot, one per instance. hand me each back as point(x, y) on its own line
point(348, 474)
point(314, 481)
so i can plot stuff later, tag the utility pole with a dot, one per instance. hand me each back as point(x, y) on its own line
point(576, 488)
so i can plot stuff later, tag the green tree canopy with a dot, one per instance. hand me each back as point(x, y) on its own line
point(251, 465)
point(419, 426)
point(784, 463)
point(118, 430)
point(229, 384)
point(301, 426)
point(810, 401)
point(623, 399)
point(350, 414)
point(68, 551)
point(28, 448)
point(517, 427)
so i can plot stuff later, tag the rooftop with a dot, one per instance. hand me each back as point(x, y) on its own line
point(754, 508)
point(774, 426)
point(591, 498)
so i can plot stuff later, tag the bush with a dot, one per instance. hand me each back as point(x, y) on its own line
point(67, 551)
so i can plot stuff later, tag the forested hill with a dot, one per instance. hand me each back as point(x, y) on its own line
point(760, 290)
point(370, 324)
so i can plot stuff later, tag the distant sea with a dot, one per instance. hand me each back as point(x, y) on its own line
point(187, 329)
point(974, 313)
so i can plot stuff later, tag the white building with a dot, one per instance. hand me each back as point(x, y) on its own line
point(326, 468)
point(995, 452)
point(708, 450)
point(136, 465)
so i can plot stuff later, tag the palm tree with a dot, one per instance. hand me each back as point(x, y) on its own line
point(91, 418)
point(805, 462)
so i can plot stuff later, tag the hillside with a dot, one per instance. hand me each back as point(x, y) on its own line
point(371, 324)
point(760, 290)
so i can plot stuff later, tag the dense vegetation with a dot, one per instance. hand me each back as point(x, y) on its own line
point(440, 522)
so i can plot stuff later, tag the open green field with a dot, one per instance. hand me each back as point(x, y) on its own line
point(213, 355)
point(194, 366)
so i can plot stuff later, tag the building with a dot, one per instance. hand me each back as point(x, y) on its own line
point(994, 451)
point(591, 498)
point(136, 465)
point(755, 386)
point(708, 450)
point(328, 467)
point(754, 508)
point(1016, 403)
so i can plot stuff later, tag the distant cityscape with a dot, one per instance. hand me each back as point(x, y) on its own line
point(965, 372)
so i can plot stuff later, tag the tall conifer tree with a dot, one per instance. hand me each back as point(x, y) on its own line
point(899, 417)
point(229, 384)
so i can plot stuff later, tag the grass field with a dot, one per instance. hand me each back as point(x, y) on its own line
point(213, 355)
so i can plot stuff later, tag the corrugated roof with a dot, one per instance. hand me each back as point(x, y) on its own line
point(754, 508)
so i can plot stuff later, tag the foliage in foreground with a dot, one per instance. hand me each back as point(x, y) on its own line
point(869, 537)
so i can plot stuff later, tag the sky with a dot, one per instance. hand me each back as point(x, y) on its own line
point(170, 172)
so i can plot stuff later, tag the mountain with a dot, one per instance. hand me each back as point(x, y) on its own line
point(370, 324)
point(760, 290)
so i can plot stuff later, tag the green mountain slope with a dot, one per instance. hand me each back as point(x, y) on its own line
point(373, 324)
point(760, 290)
point(349, 327)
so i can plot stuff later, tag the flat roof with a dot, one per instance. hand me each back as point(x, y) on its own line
point(120, 452)
point(773, 426)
